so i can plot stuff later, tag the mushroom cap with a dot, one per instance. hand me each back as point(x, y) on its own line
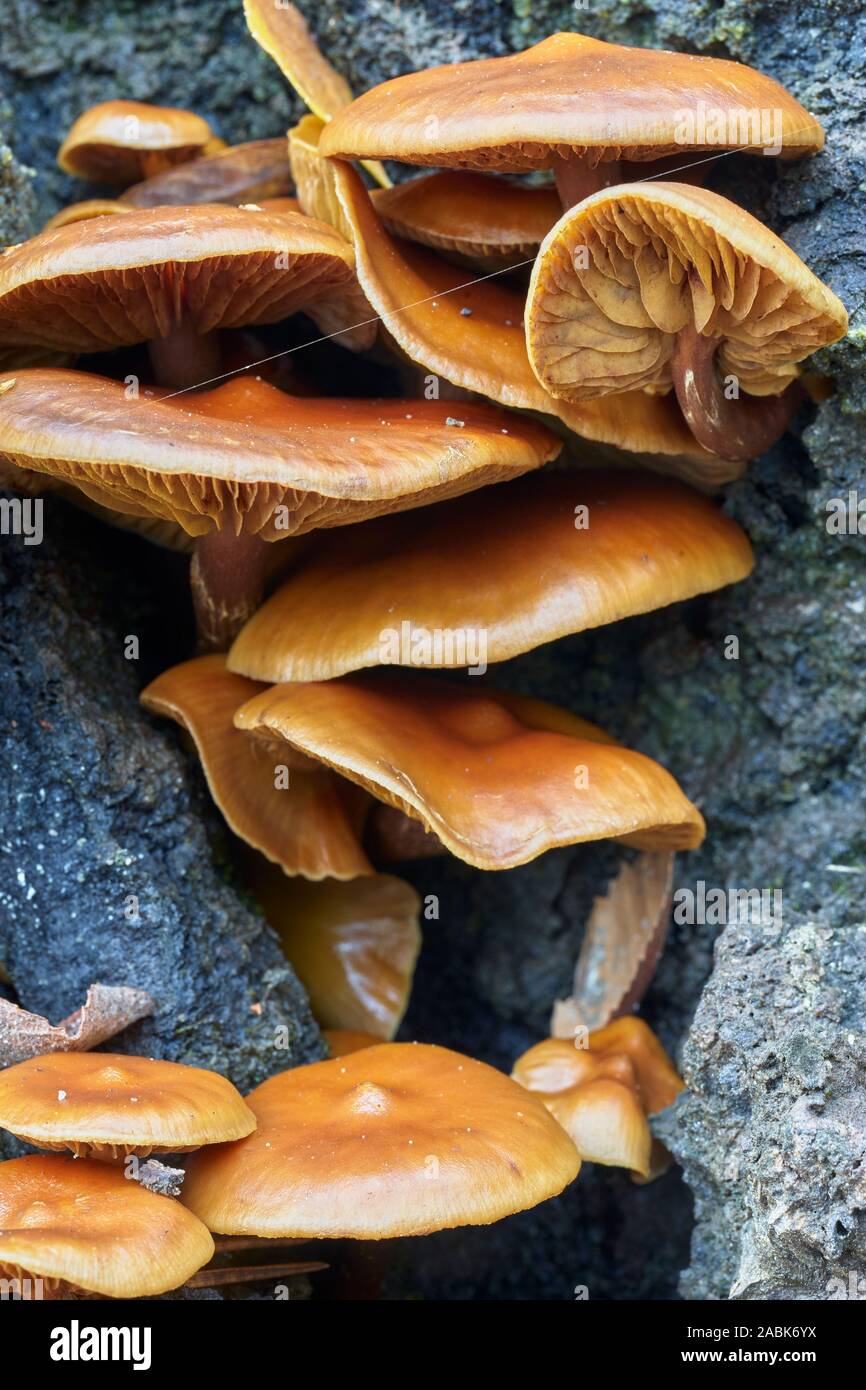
point(282, 32)
point(602, 1093)
point(101, 1103)
point(308, 827)
point(477, 767)
point(478, 216)
point(568, 95)
point(395, 1140)
point(246, 456)
point(246, 173)
point(353, 945)
point(82, 1225)
point(106, 143)
point(661, 256)
point(509, 564)
point(128, 278)
point(472, 335)
point(557, 1064)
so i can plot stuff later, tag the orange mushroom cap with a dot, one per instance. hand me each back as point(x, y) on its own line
point(508, 565)
point(248, 173)
point(129, 278)
point(658, 257)
point(602, 1092)
point(308, 827)
point(476, 216)
point(395, 1140)
point(247, 457)
point(569, 94)
point(352, 945)
point(99, 1103)
point(81, 1226)
point(471, 333)
point(477, 767)
point(123, 141)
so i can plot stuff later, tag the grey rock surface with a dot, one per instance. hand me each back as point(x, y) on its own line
point(771, 745)
point(114, 869)
point(772, 1131)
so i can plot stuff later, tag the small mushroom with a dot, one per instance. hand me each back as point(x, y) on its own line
point(297, 813)
point(245, 463)
point(82, 1229)
point(602, 1092)
point(395, 1140)
point(104, 1105)
point(653, 286)
point(352, 945)
point(505, 570)
point(123, 141)
point(248, 173)
point(172, 276)
point(572, 104)
point(420, 297)
point(494, 776)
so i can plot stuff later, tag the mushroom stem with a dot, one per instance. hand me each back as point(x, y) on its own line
point(392, 837)
point(691, 166)
point(185, 358)
point(575, 179)
point(734, 429)
point(227, 576)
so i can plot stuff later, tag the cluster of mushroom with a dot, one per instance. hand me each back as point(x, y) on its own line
point(390, 1140)
point(644, 299)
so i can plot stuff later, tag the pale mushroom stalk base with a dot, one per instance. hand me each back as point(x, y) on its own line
point(575, 180)
point(185, 358)
point(733, 429)
point(227, 576)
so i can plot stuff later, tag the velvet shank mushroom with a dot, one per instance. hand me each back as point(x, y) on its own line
point(172, 276)
point(601, 1093)
point(102, 1105)
point(471, 334)
point(497, 778)
point(124, 141)
point(653, 285)
point(506, 570)
point(245, 463)
point(575, 105)
point(395, 1140)
point(296, 812)
point(83, 1229)
point(352, 945)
